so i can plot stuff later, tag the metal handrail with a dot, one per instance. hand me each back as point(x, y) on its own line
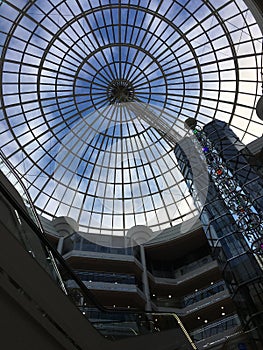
point(84, 290)
point(32, 207)
point(207, 289)
point(34, 212)
point(216, 324)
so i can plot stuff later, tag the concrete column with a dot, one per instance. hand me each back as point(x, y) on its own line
point(140, 234)
point(60, 245)
point(145, 282)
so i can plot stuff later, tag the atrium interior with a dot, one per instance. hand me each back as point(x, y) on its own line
point(131, 174)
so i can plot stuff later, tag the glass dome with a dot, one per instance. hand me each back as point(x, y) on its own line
point(85, 86)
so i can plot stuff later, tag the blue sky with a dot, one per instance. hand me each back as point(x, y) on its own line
point(65, 138)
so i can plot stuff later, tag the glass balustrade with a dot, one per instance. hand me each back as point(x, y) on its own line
point(185, 269)
point(77, 242)
point(111, 323)
point(192, 298)
point(216, 328)
point(204, 293)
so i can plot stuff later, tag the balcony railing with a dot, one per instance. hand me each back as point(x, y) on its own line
point(77, 242)
point(192, 298)
point(109, 277)
point(193, 266)
point(215, 328)
point(204, 293)
point(26, 228)
point(183, 270)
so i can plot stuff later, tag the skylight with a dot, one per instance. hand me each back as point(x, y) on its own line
point(75, 76)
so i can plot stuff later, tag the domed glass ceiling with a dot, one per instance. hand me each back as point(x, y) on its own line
point(84, 85)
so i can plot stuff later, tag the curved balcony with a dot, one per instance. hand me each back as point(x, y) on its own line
point(195, 301)
point(31, 281)
point(188, 275)
point(216, 332)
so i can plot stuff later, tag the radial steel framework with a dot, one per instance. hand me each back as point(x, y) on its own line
point(75, 76)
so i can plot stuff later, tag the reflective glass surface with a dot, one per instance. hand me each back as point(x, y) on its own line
point(91, 89)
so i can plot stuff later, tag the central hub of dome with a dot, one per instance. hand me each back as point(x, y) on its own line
point(120, 90)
